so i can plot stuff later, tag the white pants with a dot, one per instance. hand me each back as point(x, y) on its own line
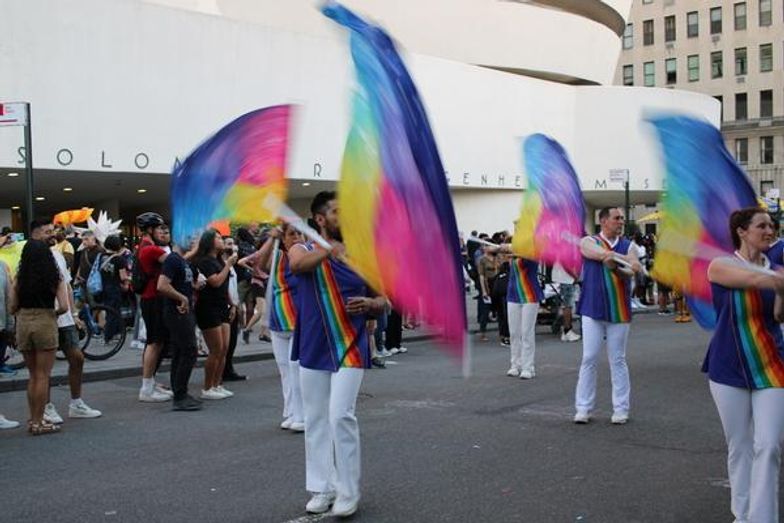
point(289, 376)
point(594, 333)
point(753, 424)
point(332, 457)
point(522, 334)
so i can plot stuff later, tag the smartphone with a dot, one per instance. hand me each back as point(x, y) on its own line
point(17, 236)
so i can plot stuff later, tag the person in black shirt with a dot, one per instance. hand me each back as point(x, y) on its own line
point(213, 309)
point(115, 280)
point(176, 284)
point(38, 283)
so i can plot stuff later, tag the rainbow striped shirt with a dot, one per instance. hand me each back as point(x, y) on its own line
point(747, 348)
point(523, 286)
point(606, 294)
point(283, 312)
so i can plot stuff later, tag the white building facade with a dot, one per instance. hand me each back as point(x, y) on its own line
point(120, 89)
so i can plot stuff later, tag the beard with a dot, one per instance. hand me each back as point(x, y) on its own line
point(335, 234)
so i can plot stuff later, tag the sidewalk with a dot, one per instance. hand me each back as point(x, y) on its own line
point(127, 362)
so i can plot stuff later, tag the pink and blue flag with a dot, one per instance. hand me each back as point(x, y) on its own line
point(396, 212)
point(238, 174)
point(704, 185)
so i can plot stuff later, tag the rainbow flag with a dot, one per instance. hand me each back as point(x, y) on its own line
point(396, 213)
point(233, 174)
point(704, 185)
point(552, 216)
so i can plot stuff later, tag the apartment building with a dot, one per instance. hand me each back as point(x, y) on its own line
point(731, 50)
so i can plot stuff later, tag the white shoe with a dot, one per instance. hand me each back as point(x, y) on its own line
point(384, 353)
point(226, 392)
point(160, 389)
point(394, 350)
point(320, 502)
point(570, 336)
point(527, 374)
point(51, 415)
point(619, 418)
point(402, 350)
point(152, 397)
point(345, 507)
point(212, 394)
point(286, 423)
point(581, 418)
point(513, 372)
point(80, 409)
point(297, 426)
point(7, 423)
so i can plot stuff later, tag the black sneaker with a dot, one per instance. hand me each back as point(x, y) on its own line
point(246, 336)
point(187, 403)
point(234, 377)
point(378, 363)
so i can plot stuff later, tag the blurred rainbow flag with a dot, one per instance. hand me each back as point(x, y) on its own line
point(396, 213)
point(234, 174)
point(552, 216)
point(704, 185)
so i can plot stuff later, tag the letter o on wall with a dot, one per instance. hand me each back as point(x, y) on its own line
point(142, 161)
point(64, 157)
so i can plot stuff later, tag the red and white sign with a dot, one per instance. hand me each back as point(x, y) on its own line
point(13, 113)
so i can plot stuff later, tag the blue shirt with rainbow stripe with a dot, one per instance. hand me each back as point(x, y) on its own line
point(606, 293)
point(326, 337)
point(523, 286)
point(746, 349)
point(283, 311)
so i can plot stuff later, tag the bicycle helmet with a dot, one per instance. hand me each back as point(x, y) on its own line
point(149, 219)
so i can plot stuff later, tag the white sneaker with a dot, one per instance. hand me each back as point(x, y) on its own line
point(384, 353)
point(297, 426)
point(527, 374)
point(80, 409)
point(152, 397)
point(51, 415)
point(402, 350)
point(320, 502)
point(619, 418)
point(7, 423)
point(513, 372)
point(581, 418)
point(394, 350)
point(345, 507)
point(226, 392)
point(570, 336)
point(160, 389)
point(212, 394)
point(286, 423)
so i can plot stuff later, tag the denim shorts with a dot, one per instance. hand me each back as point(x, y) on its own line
point(568, 292)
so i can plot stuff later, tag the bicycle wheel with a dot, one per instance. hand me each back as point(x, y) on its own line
point(14, 358)
point(99, 346)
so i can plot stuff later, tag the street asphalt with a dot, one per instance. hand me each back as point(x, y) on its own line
point(435, 446)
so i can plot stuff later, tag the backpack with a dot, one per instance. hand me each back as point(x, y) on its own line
point(139, 278)
point(94, 281)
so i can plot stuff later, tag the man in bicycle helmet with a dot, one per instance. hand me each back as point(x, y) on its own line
point(153, 250)
point(68, 337)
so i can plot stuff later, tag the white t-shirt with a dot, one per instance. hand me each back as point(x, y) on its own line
point(63, 320)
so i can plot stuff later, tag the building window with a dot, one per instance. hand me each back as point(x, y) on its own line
point(720, 99)
point(694, 67)
point(647, 1)
point(717, 64)
point(741, 106)
point(766, 104)
point(742, 150)
point(766, 58)
point(628, 75)
point(715, 20)
point(740, 16)
point(649, 74)
point(765, 13)
point(671, 69)
point(693, 24)
point(741, 62)
point(766, 150)
point(628, 37)
point(765, 186)
point(647, 32)
point(669, 28)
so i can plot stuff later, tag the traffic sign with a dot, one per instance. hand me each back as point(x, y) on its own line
point(13, 114)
